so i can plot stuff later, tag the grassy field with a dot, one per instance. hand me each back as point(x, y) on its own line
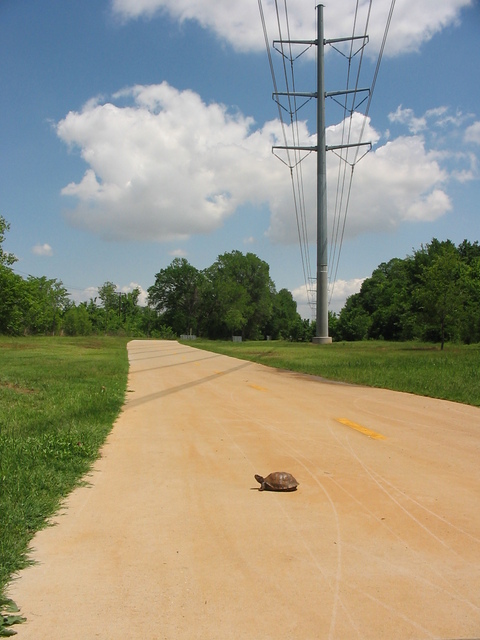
point(58, 400)
point(423, 369)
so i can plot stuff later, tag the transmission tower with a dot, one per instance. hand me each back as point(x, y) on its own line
point(321, 334)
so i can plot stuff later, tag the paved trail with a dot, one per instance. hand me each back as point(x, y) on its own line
point(174, 541)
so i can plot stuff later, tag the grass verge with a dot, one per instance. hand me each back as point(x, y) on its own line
point(59, 398)
point(423, 369)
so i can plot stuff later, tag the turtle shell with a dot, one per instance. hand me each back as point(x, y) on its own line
point(277, 481)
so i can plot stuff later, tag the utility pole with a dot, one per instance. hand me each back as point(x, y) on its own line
point(321, 334)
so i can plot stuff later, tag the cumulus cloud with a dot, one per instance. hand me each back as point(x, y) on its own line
point(305, 301)
point(337, 295)
point(407, 116)
point(414, 21)
point(168, 165)
point(472, 134)
point(399, 181)
point(43, 250)
point(91, 293)
point(142, 298)
point(439, 118)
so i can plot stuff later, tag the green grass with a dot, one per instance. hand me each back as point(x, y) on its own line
point(423, 369)
point(59, 398)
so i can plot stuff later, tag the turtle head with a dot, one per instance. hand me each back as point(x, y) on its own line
point(261, 481)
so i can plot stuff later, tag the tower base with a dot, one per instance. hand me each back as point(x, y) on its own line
point(319, 340)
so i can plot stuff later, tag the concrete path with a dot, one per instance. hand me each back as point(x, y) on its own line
point(173, 540)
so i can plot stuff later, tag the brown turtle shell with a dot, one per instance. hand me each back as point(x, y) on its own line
point(277, 481)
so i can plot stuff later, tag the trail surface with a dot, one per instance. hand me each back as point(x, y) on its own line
point(173, 540)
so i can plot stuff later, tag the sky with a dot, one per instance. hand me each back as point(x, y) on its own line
point(133, 132)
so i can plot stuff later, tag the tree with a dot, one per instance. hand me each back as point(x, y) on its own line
point(43, 302)
point(12, 292)
point(6, 259)
point(175, 296)
point(470, 317)
point(11, 289)
point(109, 296)
point(386, 298)
point(76, 321)
point(237, 296)
point(353, 321)
point(441, 293)
point(284, 319)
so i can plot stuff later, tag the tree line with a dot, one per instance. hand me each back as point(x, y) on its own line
point(235, 296)
point(432, 295)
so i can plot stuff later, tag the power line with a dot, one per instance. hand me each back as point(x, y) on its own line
point(294, 162)
point(370, 97)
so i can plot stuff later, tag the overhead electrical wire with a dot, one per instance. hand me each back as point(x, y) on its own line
point(370, 97)
point(344, 180)
point(293, 160)
point(341, 209)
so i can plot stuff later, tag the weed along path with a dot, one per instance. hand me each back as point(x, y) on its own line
point(173, 540)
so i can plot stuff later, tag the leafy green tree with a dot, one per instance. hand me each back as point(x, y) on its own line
point(386, 297)
point(237, 296)
point(111, 300)
point(284, 318)
point(43, 302)
point(176, 295)
point(353, 321)
point(110, 297)
point(470, 317)
point(76, 320)
point(11, 294)
point(6, 259)
point(11, 289)
point(441, 294)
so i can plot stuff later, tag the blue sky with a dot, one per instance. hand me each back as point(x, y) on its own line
point(136, 131)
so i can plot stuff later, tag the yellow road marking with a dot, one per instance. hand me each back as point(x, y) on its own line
point(257, 387)
point(364, 430)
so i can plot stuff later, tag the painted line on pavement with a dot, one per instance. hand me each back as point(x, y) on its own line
point(361, 429)
point(257, 387)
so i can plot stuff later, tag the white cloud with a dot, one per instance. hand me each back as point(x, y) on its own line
point(414, 21)
point(407, 116)
point(396, 182)
point(341, 290)
point(83, 295)
point(438, 117)
point(44, 250)
point(472, 134)
point(305, 300)
point(337, 295)
point(178, 253)
point(91, 293)
point(400, 181)
point(142, 298)
point(168, 166)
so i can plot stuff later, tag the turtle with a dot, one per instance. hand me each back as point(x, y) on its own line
point(277, 481)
